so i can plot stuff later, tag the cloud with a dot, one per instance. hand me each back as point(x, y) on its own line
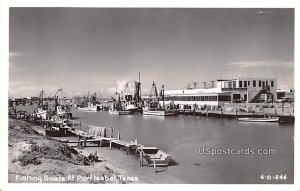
point(30, 88)
point(102, 79)
point(263, 12)
point(13, 67)
point(257, 64)
point(14, 54)
point(120, 87)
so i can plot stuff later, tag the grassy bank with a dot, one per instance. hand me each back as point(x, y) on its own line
point(36, 158)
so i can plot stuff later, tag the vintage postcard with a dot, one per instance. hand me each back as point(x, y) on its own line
point(151, 95)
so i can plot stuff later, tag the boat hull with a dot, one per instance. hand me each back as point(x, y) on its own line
point(159, 113)
point(88, 109)
point(119, 112)
point(154, 156)
point(274, 119)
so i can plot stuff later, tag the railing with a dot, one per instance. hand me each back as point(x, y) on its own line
point(91, 129)
point(234, 89)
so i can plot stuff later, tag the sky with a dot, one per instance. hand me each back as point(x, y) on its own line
point(101, 49)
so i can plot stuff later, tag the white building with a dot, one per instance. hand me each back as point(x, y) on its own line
point(224, 91)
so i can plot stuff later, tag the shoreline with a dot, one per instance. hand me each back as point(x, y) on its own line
point(114, 166)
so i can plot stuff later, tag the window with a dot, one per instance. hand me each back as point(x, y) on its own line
point(245, 84)
point(254, 83)
point(272, 83)
point(234, 84)
point(240, 84)
point(266, 83)
point(263, 84)
point(248, 83)
point(224, 98)
point(259, 83)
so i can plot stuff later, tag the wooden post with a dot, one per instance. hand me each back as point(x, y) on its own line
point(79, 141)
point(111, 134)
point(154, 165)
point(110, 144)
point(141, 158)
point(84, 144)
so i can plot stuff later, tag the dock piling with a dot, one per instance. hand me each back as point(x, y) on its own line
point(154, 165)
point(141, 159)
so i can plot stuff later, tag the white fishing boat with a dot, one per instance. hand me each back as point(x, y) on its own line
point(41, 113)
point(153, 107)
point(42, 110)
point(117, 107)
point(92, 107)
point(121, 112)
point(131, 106)
point(262, 119)
point(158, 112)
point(91, 104)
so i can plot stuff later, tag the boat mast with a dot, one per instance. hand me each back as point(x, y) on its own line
point(140, 87)
point(163, 95)
point(42, 93)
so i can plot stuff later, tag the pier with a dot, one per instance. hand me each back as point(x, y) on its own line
point(90, 136)
point(221, 113)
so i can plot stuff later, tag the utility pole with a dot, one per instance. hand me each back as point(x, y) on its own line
point(195, 84)
point(212, 84)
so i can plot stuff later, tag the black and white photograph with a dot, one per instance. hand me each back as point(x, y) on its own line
point(151, 95)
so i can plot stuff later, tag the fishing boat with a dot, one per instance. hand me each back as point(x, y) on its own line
point(153, 156)
point(62, 105)
point(131, 106)
point(57, 126)
point(41, 113)
point(121, 112)
point(158, 112)
point(117, 108)
point(92, 106)
point(261, 119)
point(42, 110)
point(153, 107)
point(132, 102)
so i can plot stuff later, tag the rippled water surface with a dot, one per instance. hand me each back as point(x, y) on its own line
point(183, 135)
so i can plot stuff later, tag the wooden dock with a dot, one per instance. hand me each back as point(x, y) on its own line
point(87, 136)
point(283, 117)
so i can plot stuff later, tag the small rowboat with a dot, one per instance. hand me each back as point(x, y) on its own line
point(262, 119)
point(158, 112)
point(154, 156)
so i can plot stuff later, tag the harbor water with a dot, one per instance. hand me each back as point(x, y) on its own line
point(184, 136)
